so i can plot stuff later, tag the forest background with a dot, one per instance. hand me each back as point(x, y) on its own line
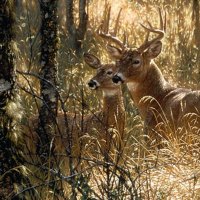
point(43, 73)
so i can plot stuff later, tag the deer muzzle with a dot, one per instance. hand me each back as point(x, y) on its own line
point(93, 84)
point(117, 79)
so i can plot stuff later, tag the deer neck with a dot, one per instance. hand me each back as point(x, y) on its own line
point(152, 84)
point(113, 106)
point(112, 100)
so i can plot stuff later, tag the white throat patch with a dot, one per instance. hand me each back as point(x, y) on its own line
point(132, 86)
point(109, 93)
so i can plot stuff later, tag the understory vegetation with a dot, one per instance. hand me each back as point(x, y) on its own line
point(137, 172)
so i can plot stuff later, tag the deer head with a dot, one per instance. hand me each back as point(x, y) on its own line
point(104, 73)
point(133, 64)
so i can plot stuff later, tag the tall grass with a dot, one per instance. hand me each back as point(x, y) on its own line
point(168, 173)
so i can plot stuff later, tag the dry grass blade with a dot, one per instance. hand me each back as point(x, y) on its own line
point(168, 173)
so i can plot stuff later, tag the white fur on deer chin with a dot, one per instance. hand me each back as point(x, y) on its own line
point(110, 92)
point(132, 86)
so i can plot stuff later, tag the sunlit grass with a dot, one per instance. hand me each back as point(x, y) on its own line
point(169, 173)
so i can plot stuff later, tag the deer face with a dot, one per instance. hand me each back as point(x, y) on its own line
point(104, 73)
point(133, 65)
point(130, 67)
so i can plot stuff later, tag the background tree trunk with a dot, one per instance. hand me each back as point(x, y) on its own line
point(71, 28)
point(196, 19)
point(49, 47)
point(83, 19)
point(10, 158)
point(76, 34)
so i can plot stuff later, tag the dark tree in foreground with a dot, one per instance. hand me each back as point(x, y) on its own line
point(76, 34)
point(11, 160)
point(48, 73)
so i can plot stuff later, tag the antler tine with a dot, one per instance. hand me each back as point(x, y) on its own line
point(103, 32)
point(161, 19)
point(143, 46)
point(113, 39)
point(125, 38)
point(147, 37)
point(165, 22)
point(107, 19)
point(160, 32)
point(117, 22)
point(162, 22)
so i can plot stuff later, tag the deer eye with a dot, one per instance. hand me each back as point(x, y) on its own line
point(136, 62)
point(109, 72)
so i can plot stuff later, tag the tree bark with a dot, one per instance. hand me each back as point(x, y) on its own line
point(83, 19)
point(10, 156)
point(71, 28)
point(76, 34)
point(48, 73)
point(196, 18)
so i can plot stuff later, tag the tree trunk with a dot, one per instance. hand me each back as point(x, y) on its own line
point(19, 4)
point(76, 35)
point(10, 158)
point(49, 46)
point(83, 19)
point(196, 19)
point(71, 28)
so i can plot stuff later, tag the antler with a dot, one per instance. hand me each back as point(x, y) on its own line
point(113, 39)
point(160, 32)
point(104, 28)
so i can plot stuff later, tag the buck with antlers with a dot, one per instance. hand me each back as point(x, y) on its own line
point(164, 107)
point(107, 126)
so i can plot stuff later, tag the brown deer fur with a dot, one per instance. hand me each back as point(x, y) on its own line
point(165, 108)
point(167, 103)
point(102, 125)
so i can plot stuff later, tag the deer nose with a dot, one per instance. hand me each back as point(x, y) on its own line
point(92, 84)
point(116, 79)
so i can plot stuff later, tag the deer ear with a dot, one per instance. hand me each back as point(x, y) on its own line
point(154, 50)
point(114, 52)
point(92, 60)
